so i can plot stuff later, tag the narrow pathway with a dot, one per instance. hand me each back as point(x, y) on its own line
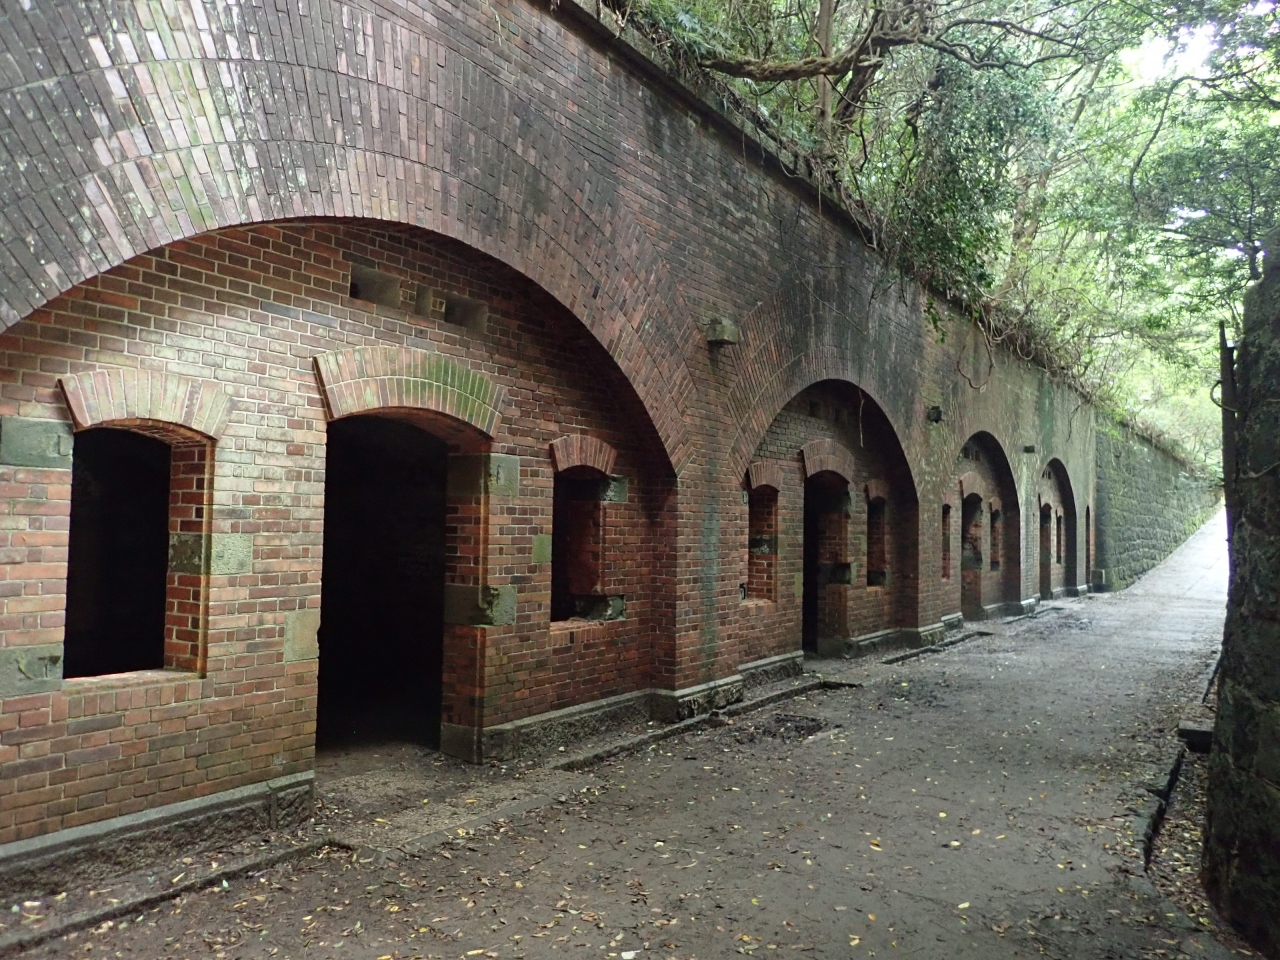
point(982, 803)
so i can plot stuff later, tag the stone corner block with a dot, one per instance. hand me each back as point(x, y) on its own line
point(231, 554)
point(470, 605)
point(26, 442)
point(34, 669)
point(301, 635)
point(504, 475)
point(542, 548)
point(464, 743)
point(292, 799)
point(480, 474)
point(187, 552)
point(672, 706)
point(616, 490)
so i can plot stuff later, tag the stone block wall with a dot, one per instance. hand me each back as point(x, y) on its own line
point(1148, 502)
point(1242, 828)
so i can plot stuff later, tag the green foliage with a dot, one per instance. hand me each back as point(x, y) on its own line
point(1008, 154)
point(952, 189)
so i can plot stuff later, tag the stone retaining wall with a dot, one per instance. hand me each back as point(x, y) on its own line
point(1148, 503)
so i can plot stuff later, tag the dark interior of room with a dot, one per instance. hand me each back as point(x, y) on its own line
point(118, 553)
point(382, 600)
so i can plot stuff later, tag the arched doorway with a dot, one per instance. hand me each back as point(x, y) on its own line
point(990, 530)
point(972, 557)
point(1046, 551)
point(381, 635)
point(1088, 548)
point(827, 571)
point(1059, 572)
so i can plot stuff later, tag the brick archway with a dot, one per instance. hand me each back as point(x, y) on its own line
point(820, 455)
point(551, 220)
point(117, 396)
point(368, 379)
point(985, 474)
point(578, 450)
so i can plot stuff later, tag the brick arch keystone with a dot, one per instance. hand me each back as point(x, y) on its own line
point(765, 473)
point(102, 397)
point(364, 379)
point(477, 162)
point(578, 450)
point(820, 455)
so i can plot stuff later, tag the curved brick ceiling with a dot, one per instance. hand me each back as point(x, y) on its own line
point(129, 125)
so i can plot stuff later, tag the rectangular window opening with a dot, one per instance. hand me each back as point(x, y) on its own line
point(946, 541)
point(577, 547)
point(136, 556)
point(877, 554)
point(997, 538)
point(762, 544)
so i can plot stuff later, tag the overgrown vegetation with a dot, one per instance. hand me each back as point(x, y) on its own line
point(1091, 181)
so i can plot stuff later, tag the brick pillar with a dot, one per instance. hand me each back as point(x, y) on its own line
point(187, 581)
point(479, 596)
point(1242, 835)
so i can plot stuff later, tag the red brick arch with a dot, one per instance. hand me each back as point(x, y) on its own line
point(477, 163)
point(820, 455)
point(120, 395)
point(578, 450)
point(876, 490)
point(970, 483)
point(765, 473)
point(366, 379)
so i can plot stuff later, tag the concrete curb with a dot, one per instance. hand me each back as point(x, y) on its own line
point(1151, 822)
point(20, 940)
point(936, 648)
point(583, 761)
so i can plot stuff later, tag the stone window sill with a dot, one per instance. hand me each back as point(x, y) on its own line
point(127, 681)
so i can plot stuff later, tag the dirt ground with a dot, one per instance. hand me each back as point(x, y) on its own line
point(985, 802)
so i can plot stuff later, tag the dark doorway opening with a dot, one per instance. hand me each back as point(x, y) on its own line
point(1046, 552)
point(826, 558)
point(971, 566)
point(118, 554)
point(382, 598)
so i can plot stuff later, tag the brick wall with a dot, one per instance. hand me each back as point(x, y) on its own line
point(247, 309)
point(181, 254)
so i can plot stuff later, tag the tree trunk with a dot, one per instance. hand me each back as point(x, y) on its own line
point(826, 13)
point(1242, 833)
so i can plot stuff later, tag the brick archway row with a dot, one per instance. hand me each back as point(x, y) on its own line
point(363, 379)
point(116, 394)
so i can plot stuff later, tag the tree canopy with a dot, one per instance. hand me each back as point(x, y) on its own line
point(1092, 182)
